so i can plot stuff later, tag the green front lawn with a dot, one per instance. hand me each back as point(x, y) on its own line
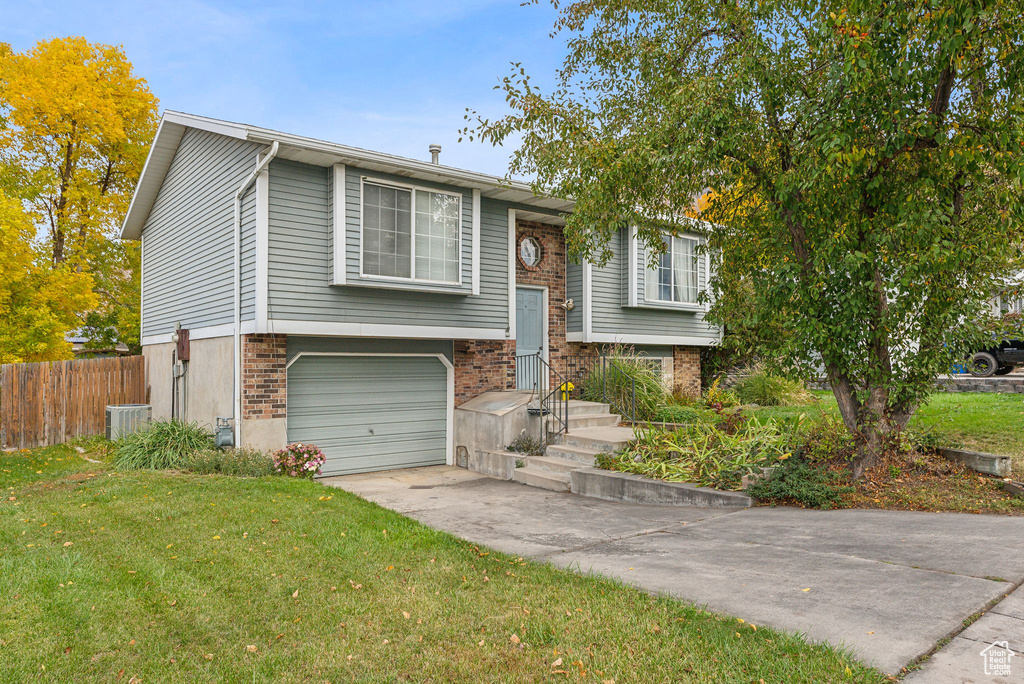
point(158, 576)
point(993, 423)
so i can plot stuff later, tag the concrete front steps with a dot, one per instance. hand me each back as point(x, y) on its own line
point(576, 449)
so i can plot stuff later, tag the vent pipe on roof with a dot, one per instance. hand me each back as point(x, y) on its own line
point(435, 152)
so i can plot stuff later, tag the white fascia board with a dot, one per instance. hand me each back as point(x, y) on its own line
point(511, 332)
point(338, 266)
point(476, 242)
point(425, 332)
point(679, 341)
point(204, 333)
point(632, 267)
point(262, 294)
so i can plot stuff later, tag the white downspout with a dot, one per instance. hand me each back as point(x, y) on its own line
point(260, 165)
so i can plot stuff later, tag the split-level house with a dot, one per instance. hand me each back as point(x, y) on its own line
point(308, 291)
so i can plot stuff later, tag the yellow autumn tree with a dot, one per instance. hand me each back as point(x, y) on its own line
point(38, 302)
point(77, 126)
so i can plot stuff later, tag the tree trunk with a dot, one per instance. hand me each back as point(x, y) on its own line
point(871, 421)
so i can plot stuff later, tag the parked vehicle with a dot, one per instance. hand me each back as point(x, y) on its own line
point(998, 360)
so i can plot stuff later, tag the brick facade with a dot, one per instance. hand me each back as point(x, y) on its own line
point(483, 366)
point(686, 370)
point(549, 273)
point(264, 376)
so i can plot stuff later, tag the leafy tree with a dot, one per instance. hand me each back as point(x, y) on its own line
point(38, 303)
point(75, 127)
point(866, 158)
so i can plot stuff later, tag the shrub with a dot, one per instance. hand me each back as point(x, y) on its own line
point(673, 413)
point(614, 382)
point(299, 460)
point(162, 444)
point(797, 481)
point(717, 398)
point(244, 462)
point(524, 444)
point(702, 453)
point(766, 389)
point(827, 440)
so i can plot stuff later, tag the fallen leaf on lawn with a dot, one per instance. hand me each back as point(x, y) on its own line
point(120, 673)
point(295, 594)
point(406, 615)
point(216, 536)
point(67, 544)
point(556, 663)
point(132, 642)
point(279, 636)
point(251, 648)
point(174, 603)
point(208, 656)
point(480, 643)
point(514, 639)
point(326, 498)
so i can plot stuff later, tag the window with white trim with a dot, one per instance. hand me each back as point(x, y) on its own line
point(674, 278)
point(411, 233)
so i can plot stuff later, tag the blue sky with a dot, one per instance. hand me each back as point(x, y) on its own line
point(389, 75)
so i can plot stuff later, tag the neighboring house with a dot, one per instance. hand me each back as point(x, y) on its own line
point(374, 293)
point(80, 350)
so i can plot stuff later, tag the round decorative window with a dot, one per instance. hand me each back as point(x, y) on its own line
point(529, 251)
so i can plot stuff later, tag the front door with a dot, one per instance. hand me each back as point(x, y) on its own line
point(529, 336)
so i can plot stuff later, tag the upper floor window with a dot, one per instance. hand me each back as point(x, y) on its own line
point(674, 278)
point(411, 233)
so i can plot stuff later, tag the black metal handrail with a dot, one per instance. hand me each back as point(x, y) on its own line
point(599, 377)
point(553, 405)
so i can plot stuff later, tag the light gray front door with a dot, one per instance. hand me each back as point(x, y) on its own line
point(370, 412)
point(529, 336)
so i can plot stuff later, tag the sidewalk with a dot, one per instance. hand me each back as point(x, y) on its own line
point(961, 660)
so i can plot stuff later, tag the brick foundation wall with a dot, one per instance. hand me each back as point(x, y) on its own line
point(264, 376)
point(686, 370)
point(483, 366)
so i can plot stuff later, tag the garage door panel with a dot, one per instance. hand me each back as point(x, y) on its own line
point(334, 402)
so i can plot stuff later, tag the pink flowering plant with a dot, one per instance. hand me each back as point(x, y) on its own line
point(299, 460)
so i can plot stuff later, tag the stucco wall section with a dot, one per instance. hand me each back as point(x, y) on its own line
point(204, 390)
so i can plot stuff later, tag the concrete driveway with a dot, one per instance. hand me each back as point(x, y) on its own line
point(888, 585)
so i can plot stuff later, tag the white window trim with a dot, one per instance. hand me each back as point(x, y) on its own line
point(510, 331)
point(638, 280)
point(476, 242)
point(449, 389)
point(340, 226)
point(412, 237)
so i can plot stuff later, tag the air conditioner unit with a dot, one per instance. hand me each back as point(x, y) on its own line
point(125, 419)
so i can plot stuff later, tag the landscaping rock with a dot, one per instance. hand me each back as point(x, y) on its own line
point(1014, 487)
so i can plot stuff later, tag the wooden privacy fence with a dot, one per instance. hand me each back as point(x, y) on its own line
point(50, 403)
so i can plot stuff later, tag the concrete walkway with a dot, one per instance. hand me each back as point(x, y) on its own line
point(888, 585)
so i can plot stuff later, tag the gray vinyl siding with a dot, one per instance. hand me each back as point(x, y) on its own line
point(574, 291)
point(300, 256)
point(609, 316)
point(363, 345)
point(187, 275)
